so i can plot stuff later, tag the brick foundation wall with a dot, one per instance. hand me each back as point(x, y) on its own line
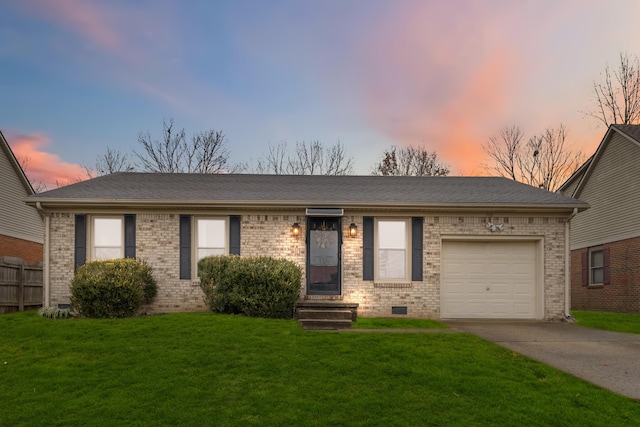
point(29, 251)
point(157, 242)
point(622, 294)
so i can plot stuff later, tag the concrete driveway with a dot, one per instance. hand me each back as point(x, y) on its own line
point(607, 359)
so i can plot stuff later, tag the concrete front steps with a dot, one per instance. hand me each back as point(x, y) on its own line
point(326, 315)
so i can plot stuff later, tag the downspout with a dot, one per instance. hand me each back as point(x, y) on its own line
point(45, 280)
point(567, 267)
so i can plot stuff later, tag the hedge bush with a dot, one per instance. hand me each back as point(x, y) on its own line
point(253, 286)
point(112, 288)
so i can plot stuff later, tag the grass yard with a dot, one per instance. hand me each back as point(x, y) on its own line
point(396, 323)
point(206, 369)
point(619, 322)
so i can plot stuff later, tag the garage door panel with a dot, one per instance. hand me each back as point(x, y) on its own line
point(488, 279)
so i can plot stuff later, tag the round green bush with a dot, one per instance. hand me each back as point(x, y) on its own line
point(253, 286)
point(112, 288)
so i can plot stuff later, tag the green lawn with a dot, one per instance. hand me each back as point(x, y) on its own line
point(620, 322)
point(206, 369)
point(396, 323)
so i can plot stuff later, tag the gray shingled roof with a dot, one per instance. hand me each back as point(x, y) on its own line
point(631, 130)
point(283, 190)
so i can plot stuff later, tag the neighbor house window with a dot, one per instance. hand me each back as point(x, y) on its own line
point(211, 237)
point(596, 266)
point(392, 249)
point(108, 238)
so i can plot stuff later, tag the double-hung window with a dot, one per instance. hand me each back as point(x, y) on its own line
point(596, 266)
point(108, 238)
point(392, 249)
point(211, 237)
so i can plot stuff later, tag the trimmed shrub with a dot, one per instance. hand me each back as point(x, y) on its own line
point(112, 288)
point(253, 286)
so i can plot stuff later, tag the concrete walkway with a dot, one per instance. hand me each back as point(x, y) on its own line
point(607, 359)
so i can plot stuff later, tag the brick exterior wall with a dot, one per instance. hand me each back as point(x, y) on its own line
point(622, 294)
point(157, 242)
point(422, 299)
point(60, 262)
point(31, 252)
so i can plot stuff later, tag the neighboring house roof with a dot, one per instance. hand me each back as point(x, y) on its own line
point(575, 183)
point(571, 183)
point(16, 219)
point(157, 189)
point(4, 146)
point(610, 183)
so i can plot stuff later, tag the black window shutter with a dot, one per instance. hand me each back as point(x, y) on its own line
point(416, 248)
point(367, 248)
point(129, 236)
point(80, 257)
point(606, 270)
point(585, 268)
point(185, 246)
point(234, 235)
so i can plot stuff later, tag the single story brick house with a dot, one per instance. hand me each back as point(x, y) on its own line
point(436, 247)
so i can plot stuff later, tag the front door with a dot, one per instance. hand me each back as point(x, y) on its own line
point(324, 241)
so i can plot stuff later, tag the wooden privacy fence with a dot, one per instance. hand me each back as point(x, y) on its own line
point(21, 286)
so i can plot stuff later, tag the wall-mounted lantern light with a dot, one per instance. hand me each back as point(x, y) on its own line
point(353, 230)
point(295, 229)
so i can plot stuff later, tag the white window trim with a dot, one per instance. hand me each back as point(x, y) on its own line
point(408, 251)
point(92, 228)
point(195, 243)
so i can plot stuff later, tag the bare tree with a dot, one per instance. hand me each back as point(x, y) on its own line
point(544, 161)
point(112, 161)
point(274, 162)
point(38, 186)
point(415, 161)
point(206, 152)
point(618, 97)
point(307, 159)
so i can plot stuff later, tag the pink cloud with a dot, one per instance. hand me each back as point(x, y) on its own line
point(444, 83)
point(43, 168)
point(87, 19)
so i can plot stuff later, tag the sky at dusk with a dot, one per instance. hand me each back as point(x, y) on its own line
point(79, 76)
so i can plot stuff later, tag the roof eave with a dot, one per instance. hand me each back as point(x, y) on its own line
point(47, 203)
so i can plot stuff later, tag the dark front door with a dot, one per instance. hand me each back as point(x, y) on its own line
point(324, 241)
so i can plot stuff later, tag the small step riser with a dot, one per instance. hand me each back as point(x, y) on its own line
point(325, 314)
point(331, 306)
point(317, 324)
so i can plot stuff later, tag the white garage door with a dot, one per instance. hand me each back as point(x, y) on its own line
point(489, 280)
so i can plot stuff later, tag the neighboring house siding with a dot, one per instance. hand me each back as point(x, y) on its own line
point(16, 218)
point(31, 252)
point(269, 233)
point(622, 293)
point(571, 187)
point(612, 190)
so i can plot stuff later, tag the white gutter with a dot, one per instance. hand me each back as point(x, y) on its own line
point(46, 300)
point(567, 267)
